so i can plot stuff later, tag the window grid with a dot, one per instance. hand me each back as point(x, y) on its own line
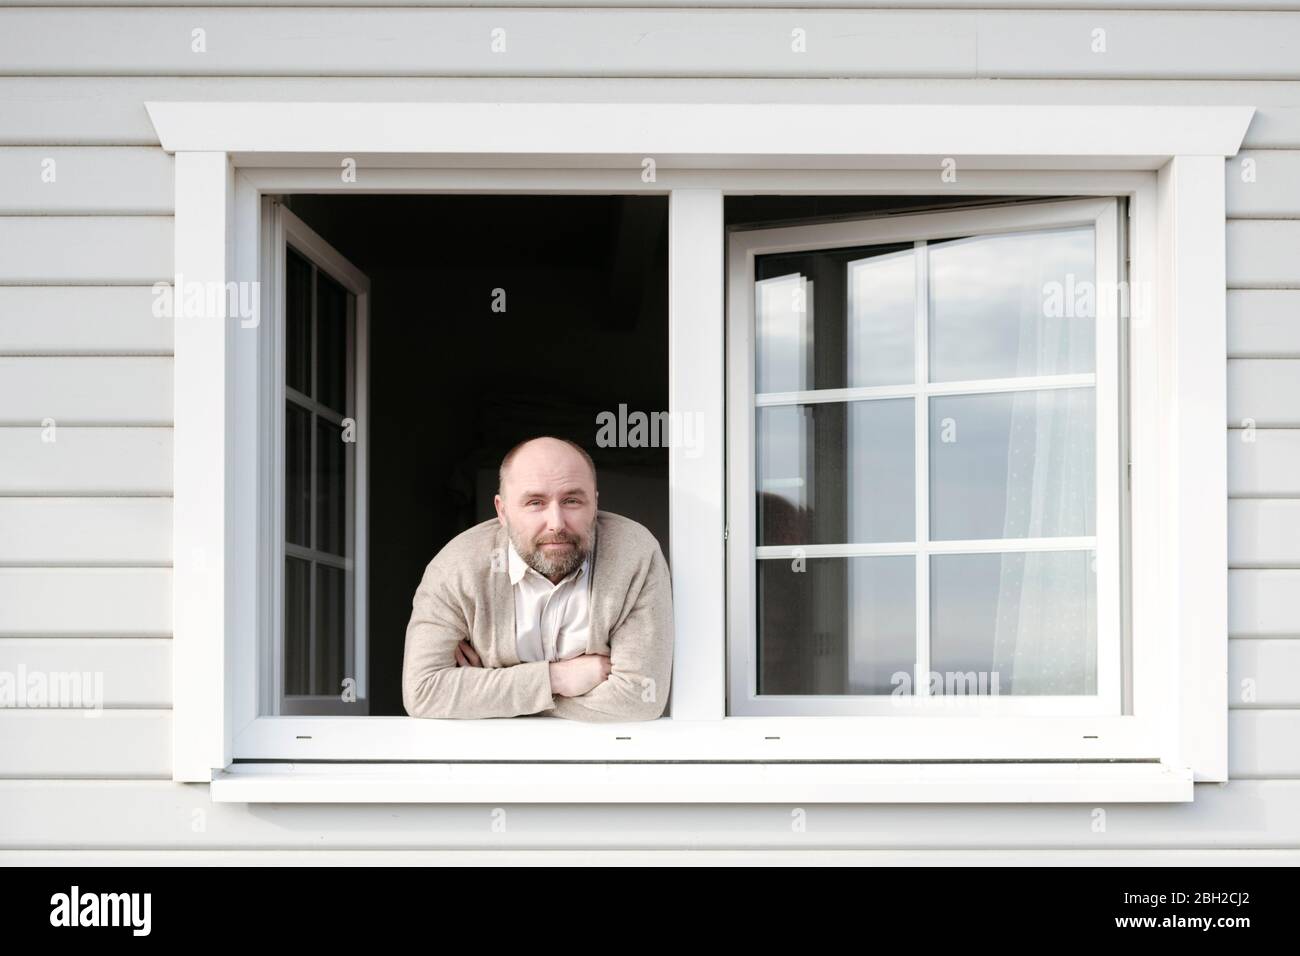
point(921, 456)
point(312, 553)
point(920, 391)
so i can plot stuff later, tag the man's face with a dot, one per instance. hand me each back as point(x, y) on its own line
point(548, 507)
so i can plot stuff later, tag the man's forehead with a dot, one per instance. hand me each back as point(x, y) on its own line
point(529, 490)
point(540, 467)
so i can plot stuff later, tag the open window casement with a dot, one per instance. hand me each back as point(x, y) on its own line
point(1107, 594)
point(926, 484)
point(316, 430)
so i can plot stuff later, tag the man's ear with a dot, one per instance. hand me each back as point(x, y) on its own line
point(501, 515)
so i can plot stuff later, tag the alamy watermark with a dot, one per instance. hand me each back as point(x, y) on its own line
point(194, 299)
point(75, 908)
point(62, 689)
point(1076, 298)
point(624, 429)
point(949, 684)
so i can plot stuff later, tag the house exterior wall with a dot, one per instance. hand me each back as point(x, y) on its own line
point(85, 520)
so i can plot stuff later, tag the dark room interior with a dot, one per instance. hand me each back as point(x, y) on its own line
point(455, 380)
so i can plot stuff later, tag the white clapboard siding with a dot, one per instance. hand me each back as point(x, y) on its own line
point(86, 391)
point(86, 461)
point(85, 250)
point(1264, 533)
point(1264, 743)
point(1281, 5)
point(107, 110)
point(738, 4)
point(85, 743)
point(85, 602)
point(796, 856)
point(1264, 183)
point(1261, 253)
point(83, 320)
point(494, 857)
point(1264, 323)
point(1138, 44)
point(1262, 673)
point(793, 856)
point(118, 672)
point(1264, 392)
point(1263, 603)
point(79, 343)
point(71, 181)
point(1276, 127)
point(1264, 462)
point(160, 814)
point(554, 42)
point(85, 531)
point(637, 42)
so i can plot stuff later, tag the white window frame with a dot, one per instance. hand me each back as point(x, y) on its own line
point(1168, 162)
point(283, 229)
point(919, 228)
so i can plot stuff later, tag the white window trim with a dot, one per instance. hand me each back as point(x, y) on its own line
point(917, 228)
point(1168, 160)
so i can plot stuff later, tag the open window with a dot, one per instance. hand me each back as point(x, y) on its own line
point(1121, 527)
point(523, 315)
point(925, 445)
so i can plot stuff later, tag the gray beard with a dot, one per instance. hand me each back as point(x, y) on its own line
point(559, 566)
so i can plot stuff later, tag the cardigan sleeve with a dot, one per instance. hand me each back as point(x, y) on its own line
point(432, 684)
point(640, 657)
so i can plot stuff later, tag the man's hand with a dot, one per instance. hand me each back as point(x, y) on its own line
point(577, 675)
point(466, 656)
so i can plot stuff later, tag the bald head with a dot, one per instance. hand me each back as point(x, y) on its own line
point(545, 452)
point(546, 500)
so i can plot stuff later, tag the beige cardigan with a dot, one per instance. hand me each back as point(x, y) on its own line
point(466, 592)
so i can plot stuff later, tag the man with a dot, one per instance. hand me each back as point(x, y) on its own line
point(553, 608)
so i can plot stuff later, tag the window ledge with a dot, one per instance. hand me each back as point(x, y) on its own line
point(806, 782)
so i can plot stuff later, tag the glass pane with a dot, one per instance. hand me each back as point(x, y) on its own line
point(327, 676)
point(1012, 305)
point(332, 343)
point(836, 472)
point(882, 319)
point(297, 322)
point(297, 626)
point(331, 488)
point(297, 474)
point(1022, 623)
point(856, 331)
point(1013, 464)
point(784, 340)
point(836, 625)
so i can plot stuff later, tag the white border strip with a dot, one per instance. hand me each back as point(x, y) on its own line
point(790, 783)
point(749, 131)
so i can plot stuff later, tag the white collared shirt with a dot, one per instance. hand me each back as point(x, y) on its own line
point(552, 621)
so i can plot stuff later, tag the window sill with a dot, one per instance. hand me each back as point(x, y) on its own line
point(793, 783)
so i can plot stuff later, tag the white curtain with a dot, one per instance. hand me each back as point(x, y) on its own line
point(1045, 638)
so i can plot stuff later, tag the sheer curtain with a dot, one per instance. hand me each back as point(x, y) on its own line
point(1044, 637)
